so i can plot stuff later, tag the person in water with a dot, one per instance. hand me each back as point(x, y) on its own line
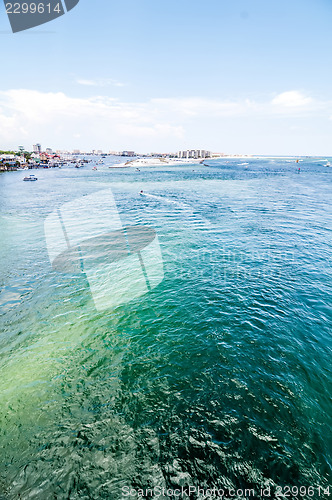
point(141, 192)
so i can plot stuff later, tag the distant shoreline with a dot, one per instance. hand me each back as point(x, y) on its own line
point(153, 162)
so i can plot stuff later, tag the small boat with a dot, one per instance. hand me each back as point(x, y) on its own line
point(327, 164)
point(31, 177)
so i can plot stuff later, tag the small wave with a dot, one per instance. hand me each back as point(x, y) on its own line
point(11, 296)
point(185, 207)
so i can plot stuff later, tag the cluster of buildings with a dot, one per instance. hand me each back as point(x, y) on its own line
point(11, 162)
point(92, 152)
point(189, 153)
point(47, 157)
point(37, 148)
point(22, 159)
point(194, 154)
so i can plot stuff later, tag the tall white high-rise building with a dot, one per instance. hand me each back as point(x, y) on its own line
point(194, 153)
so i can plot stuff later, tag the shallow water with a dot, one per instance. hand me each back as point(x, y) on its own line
point(220, 376)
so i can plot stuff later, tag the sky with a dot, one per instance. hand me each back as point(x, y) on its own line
point(238, 77)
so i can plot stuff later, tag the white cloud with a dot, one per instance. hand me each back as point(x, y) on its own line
point(100, 82)
point(198, 106)
point(292, 99)
point(61, 121)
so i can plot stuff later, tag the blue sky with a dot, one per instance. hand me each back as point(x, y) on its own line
point(237, 77)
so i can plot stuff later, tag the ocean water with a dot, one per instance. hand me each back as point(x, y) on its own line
point(220, 376)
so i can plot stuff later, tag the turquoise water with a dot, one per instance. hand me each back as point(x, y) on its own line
point(219, 377)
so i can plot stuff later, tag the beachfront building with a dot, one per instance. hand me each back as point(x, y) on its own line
point(10, 162)
point(37, 148)
point(194, 153)
point(128, 153)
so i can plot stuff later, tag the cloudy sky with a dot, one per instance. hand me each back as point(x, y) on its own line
point(247, 76)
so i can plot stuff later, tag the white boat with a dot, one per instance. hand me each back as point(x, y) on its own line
point(31, 177)
point(156, 162)
point(327, 164)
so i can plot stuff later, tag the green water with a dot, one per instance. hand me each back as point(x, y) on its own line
point(219, 377)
